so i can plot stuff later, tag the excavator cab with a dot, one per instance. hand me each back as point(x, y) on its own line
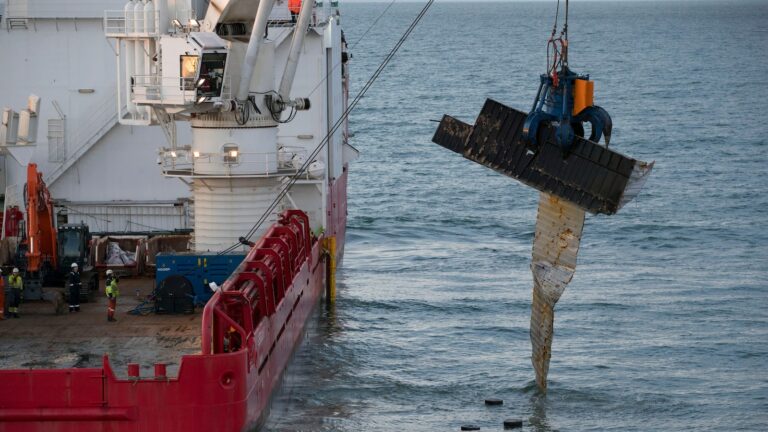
point(74, 242)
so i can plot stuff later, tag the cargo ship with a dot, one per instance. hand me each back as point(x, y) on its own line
point(224, 120)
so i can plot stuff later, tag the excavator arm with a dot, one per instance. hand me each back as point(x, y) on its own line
point(41, 232)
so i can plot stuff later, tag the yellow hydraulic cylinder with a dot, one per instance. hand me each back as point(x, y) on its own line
point(583, 95)
point(329, 244)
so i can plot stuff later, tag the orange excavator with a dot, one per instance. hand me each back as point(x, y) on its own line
point(45, 254)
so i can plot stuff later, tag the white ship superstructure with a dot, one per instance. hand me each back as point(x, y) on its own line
point(94, 97)
point(244, 76)
point(99, 171)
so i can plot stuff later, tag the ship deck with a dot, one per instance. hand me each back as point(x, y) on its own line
point(40, 339)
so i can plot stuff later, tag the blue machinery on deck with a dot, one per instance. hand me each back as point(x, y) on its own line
point(182, 279)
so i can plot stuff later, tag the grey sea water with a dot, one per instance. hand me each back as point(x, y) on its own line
point(665, 325)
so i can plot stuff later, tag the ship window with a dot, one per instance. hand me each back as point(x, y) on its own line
point(211, 74)
point(188, 72)
point(231, 153)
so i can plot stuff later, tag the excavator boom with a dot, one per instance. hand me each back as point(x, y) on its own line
point(41, 232)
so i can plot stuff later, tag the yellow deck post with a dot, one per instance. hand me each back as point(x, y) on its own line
point(329, 244)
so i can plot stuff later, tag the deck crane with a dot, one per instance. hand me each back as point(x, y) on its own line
point(239, 73)
point(546, 150)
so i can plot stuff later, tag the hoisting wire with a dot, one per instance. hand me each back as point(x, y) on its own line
point(244, 110)
point(557, 15)
point(558, 46)
point(370, 27)
point(552, 44)
point(565, 26)
point(565, 37)
point(333, 129)
point(374, 24)
point(276, 117)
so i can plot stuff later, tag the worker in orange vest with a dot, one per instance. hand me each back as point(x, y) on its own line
point(294, 6)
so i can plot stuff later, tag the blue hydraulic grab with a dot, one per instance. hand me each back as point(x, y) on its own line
point(555, 105)
point(547, 148)
point(564, 101)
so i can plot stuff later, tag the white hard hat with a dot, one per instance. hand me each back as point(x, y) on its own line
point(74, 265)
point(109, 272)
point(15, 270)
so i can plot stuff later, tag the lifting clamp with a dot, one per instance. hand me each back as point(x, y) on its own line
point(564, 100)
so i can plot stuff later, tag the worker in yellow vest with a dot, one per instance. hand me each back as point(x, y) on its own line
point(17, 288)
point(294, 6)
point(112, 293)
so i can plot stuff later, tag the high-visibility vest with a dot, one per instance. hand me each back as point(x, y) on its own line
point(294, 6)
point(16, 282)
point(111, 289)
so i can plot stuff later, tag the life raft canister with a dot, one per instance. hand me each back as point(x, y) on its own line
point(294, 6)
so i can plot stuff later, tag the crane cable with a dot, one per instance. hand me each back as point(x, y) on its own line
point(333, 129)
point(353, 45)
point(557, 47)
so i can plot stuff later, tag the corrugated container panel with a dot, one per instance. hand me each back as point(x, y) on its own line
point(556, 243)
point(636, 182)
point(60, 8)
point(105, 218)
point(559, 224)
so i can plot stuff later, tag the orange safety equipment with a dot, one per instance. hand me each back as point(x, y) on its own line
point(294, 6)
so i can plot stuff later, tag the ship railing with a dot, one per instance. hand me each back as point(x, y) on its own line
point(174, 90)
point(127, 23)
point(283, 19)
point(281, 16)
point(256, 289)
point(185, 162)
point(122, 23)
point(155, 89)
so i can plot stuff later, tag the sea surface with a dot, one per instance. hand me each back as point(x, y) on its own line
point(665, 325)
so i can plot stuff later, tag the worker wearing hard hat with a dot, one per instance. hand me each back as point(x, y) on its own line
point(112, 293)
point(17, 288)
point(74, 284)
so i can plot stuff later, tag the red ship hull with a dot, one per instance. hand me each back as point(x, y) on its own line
point(250, 329)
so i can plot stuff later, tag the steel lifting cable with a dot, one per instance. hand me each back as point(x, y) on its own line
point(559, 55)
point(551, 43)
point(354, 44)
point(335, 127)
point(373, 24)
